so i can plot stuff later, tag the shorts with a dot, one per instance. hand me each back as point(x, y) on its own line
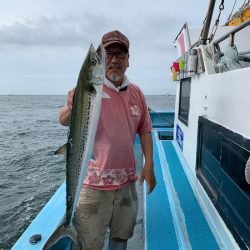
point(99, 209)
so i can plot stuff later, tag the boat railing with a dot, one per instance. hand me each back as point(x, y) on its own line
point(233, 55)
point(232, 32)
point(227, 35)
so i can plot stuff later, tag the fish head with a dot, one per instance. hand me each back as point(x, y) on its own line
point(91, 76)
point(96, 67)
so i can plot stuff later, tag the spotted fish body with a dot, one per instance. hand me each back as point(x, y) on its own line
point(84, 121)
point(79, 148)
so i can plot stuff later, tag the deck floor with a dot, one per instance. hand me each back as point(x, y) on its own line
point(164, 230)
point(137, 241)
point(174, 218)
point(159, 222)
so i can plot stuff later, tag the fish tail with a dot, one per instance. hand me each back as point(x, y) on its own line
point(63, 232)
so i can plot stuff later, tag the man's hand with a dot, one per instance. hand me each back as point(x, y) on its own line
point(65, 112)
point(70, 98)
point(148, 175)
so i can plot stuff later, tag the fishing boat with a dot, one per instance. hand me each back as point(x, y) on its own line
point(201, 151)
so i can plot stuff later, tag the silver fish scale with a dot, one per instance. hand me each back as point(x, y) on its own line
point(86, 125)
point(76, 162)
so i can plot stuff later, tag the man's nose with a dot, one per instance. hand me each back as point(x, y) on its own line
point(114, 58)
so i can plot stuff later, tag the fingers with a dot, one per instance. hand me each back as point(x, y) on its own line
point(151, 185)
point(142, 178)
point(150, 180)
point(70, 98)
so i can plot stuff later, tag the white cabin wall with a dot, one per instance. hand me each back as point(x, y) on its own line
point(190, 130)
point(177, 97)
point(223, 98)
point(195, 110)
point(228, 99)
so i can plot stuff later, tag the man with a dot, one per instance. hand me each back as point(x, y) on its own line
point(109, 197)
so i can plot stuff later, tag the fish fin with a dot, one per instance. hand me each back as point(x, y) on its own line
point(62, 150)
point(62, 232)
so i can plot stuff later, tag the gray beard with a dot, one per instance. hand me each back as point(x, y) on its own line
point(115, 77)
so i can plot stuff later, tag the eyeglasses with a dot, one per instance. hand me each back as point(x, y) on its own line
point(118, 54)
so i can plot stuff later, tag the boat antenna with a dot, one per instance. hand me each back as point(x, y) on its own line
point(207, 22)
point(217, 21)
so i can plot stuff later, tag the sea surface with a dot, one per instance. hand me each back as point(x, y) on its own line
point(29, 172)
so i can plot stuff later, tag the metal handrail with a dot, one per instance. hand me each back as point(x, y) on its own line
point(244, 52)
point(232, 32)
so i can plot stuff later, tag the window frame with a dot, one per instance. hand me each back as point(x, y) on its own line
point(180, 114)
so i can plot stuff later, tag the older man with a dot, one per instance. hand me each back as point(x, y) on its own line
point(109, 197)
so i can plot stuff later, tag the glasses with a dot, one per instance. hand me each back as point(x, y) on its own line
point(118, 54)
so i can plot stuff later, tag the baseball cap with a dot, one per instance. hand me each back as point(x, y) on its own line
point(113, 37)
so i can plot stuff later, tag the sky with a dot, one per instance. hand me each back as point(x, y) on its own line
point(43, 43)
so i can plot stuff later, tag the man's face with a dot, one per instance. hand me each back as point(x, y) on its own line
point(116, 63)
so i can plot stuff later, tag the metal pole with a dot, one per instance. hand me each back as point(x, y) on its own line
point(205, 30)
point(233, 31)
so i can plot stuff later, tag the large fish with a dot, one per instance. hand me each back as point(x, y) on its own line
point(79, 148)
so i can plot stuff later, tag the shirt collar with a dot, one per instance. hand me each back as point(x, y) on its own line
point(124, 84)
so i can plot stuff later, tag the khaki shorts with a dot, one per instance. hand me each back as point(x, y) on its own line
point(99, 209)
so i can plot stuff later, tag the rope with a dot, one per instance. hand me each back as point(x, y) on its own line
point(217, 21)
point(231, 11)
point(239, 13)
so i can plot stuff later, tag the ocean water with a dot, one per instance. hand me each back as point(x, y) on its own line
point(29, 172)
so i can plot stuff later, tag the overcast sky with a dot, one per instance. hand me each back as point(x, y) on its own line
point(43, 42)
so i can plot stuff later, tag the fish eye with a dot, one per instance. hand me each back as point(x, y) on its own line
point(93, 61)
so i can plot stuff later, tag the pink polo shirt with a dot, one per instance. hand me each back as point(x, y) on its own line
point(123, 114)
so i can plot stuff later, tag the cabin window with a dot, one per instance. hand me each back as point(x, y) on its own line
point(233, 162)
point(220, 167)
point(184, 100)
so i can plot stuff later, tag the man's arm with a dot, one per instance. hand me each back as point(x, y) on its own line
point(65, 112)
point(148, 169)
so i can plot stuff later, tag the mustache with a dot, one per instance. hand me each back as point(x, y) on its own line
point(114, 66)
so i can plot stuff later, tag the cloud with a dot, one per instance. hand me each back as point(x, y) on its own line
point(52, 31)
point(51, 38)
point(81, 30)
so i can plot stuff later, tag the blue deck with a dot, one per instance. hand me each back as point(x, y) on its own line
point(50, 217)
point(159, 228)
point(174, 219)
